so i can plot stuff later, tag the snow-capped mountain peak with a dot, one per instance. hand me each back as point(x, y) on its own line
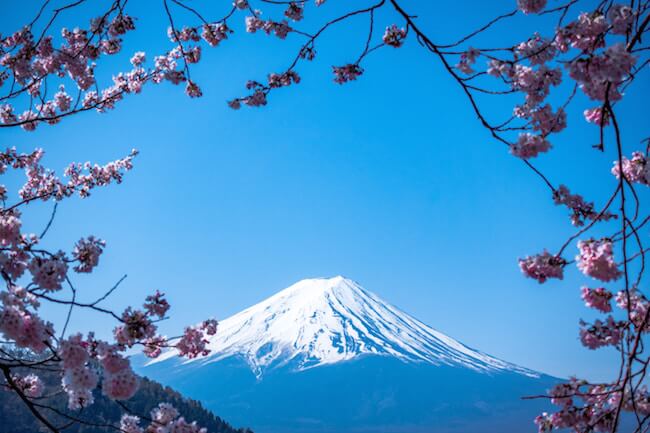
point(328, 320)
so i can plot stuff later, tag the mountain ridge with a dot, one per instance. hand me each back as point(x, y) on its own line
point(321, 321)
point(326, 355)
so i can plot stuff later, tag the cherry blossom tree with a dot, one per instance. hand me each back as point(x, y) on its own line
point(592, 48)
point(34, 276)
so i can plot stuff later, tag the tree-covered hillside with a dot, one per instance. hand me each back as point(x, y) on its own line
point(104, 414)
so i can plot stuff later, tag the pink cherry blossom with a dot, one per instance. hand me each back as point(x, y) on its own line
point(280, 28)
point(62, 100)
point(156, 304)
point(110, 46)
point(598, 298)
point(80, 379)
point(79, 399)
point(10, 228)
point(596, 259)
point(185, 34)
point(49, 273)
point(130, 424)
point(29, 117)
point(529, 146)
point(467, 59)
point(121, 385)
point(164, 414)
point(635, 169)
point(595, 115)
point(193, 90)
point(138, 58)
point(153, 346)
point(182, 426)
point(193, 343)
point(213, 34)
point(621, 18)
point(586, 33)
point(6, 114)
point(113, 362)
point(209, 326)
point(537, 50)
point(294, 11)
point(581, 210)
point(601, 333)
point(73, 352)
point(240, 4)
point(531, 6)
point(14, 262)
point(535, 82)
point(599, 76)
point(544, 422)
point(193, 55)
point(120, 25)
point(30, 385)
point(394, 36)
point(638, 307)
point(545, 121)
point(282, 80)
point(87, 252)
point(257, 99)
point(136, 327)
point(542, 266)
point(349, 72)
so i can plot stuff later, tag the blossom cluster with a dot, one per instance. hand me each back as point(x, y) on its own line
point(602, 333)
point(87, 252)
point(394, 36)
point(599, 76)
point(82, 178)
point(280, 28)
point(543, 266)
point(258, 97)
point(529, 146)
point(467, 60)
point(30, 61)
point(596, 259)
point(635, 169)
point(164, 419)
point(637, 306)
point(597, 298)
point(581, 210)
point(213, 34)
point(598, 66)
point(596, 413)
point(29, 385)
point(345, 73)
point(193, 343)
point(86, 363)
point(19, 318)
point(531, 6)
point(591, 407)
point(294, 11)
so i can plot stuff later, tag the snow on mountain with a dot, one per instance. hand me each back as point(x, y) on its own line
point(324, 321)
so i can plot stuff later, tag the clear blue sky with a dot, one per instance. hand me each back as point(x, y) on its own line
point(390, 181)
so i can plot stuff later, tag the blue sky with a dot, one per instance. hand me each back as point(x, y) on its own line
point(389, 181)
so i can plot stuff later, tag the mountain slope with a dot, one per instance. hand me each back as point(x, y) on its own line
point(327, 356)
point(327, 320)
point(16, 418)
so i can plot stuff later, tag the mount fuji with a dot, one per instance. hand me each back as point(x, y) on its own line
point(326, 355)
